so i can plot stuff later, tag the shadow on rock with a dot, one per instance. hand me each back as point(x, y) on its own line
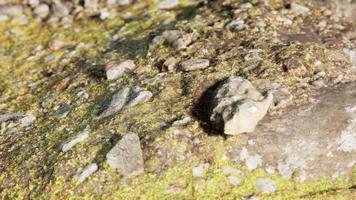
point(100, 156)
point(203, 106)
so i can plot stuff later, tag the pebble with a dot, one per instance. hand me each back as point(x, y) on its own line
point(42, 10)
point(91, 4)
point(10, 116)
point(20, 19)
point(24, 119)
point(11, 10)
point(182, 122)
point(233, 180)
point(27, 120)
point(351, 53)
point(265, 185)
point(3, 18)
point(56, 45)
point(168, 4)
point(115, 70)
point(34, 3)
point(75, 140)
point(319, 83)
point(124, 2)
point(171, 64)
point(178, 39)
point(299, 9)
point(83, 174)
point(251, 161)
point(236, 25)
point(195, 64)
point(104, 14)
point(59, 9)
point(199, 170)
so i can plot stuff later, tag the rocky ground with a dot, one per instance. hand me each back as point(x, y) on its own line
point(177, 99)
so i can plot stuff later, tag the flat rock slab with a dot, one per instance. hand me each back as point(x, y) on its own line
point(84, 173)
point(23, 118)
point(308, 142)
point(115, 70)
point(124, 98)
point(75, 140)
point(195, 64)
point(126, 156)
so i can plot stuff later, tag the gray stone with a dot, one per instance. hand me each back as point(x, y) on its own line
point(236, 25)
point(171, 64)
point(42, 10)
point(168, 4)
point(59, 9)
point(4, 18)
point(83, 174)
point(351, 53)
point(115, 70)
point(265, 185)
point(195, 64)
point(75, 140)
point(10, 116)
point(34, 3)
point(178, 39)
point(309, 142)
point(11, 10)
point(124, 2)
point(105, 14)
point(299, 9)
point(233, 180)
point(182, 122)
point(126, 156)
point(318, 83)
point(346, 9)
point(252, 56)
point(91, 4)
point(20, 19)
point(198, 171)
point(24, 119)
point(238, 106)
point(28, 120)
point(124, 98)
point(281, 96)
point(251, 161)
point(62, 110)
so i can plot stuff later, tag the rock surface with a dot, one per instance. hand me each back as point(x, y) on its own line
point(178, 39)
point(281, 96)
point(168, 4)
point(8, 116)
point(116, 69)
point(195, 64)
point(75, 140)
point(308, 142)
point(122, 99)
point(126, 156)
point(238, 106)
point(22, 118)
point(198, 171)
point(265, 185)
point(83, 174)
